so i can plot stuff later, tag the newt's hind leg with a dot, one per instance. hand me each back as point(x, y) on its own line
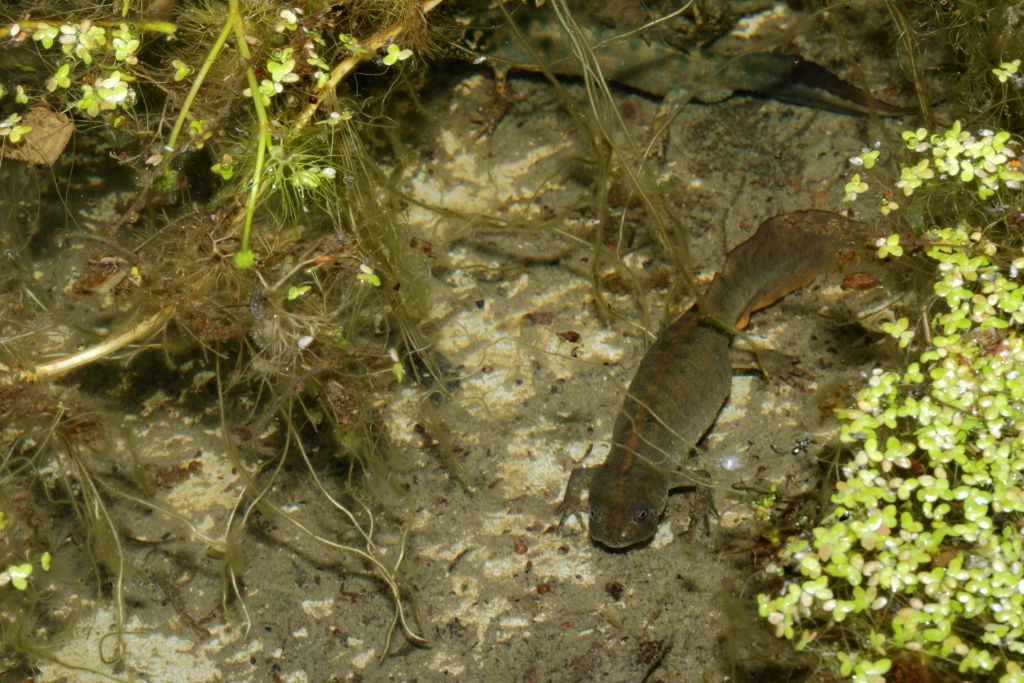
point(499, 106)
point(770, 364)
point(698, 483)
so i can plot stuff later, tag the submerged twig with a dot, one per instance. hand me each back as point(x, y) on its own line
point(93, 353)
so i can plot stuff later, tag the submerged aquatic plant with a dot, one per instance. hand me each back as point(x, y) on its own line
point(259, 228)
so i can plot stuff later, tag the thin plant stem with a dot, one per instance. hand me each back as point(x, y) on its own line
point(245, 258)
point(204, 70)
point(371, 555)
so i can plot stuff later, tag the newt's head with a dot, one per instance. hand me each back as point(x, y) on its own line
point(625, 510)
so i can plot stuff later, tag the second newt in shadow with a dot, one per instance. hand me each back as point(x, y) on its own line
point(656, 69)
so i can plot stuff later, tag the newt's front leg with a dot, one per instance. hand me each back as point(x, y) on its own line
point(579, 479)
point(699, 483)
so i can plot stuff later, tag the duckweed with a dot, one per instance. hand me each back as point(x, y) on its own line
point(923, 551)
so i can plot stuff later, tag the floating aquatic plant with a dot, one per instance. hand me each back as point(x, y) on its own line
point(922, 551)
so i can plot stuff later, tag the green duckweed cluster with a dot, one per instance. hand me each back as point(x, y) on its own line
point(923, 552)
point(19, 569)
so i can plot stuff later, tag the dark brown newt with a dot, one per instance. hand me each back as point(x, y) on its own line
point(657, 69)
point(684, 378)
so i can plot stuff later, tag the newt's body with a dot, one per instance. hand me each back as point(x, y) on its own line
point(684, 378)
point(659, 70)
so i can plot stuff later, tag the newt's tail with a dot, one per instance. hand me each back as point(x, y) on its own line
point(796, 80)
point(784, 254)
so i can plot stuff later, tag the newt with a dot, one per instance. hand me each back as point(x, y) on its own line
point(659, 70)
point(684, 379)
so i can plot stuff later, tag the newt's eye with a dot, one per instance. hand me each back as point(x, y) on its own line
point(594, 514)
point(641, 515)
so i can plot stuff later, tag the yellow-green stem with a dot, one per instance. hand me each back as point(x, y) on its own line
point(154, 26)
point(200, 77)
point(245, 258)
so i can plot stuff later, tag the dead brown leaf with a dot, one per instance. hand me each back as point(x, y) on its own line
point(43, 144)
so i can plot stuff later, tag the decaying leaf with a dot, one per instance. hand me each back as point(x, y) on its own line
point(43, 144)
